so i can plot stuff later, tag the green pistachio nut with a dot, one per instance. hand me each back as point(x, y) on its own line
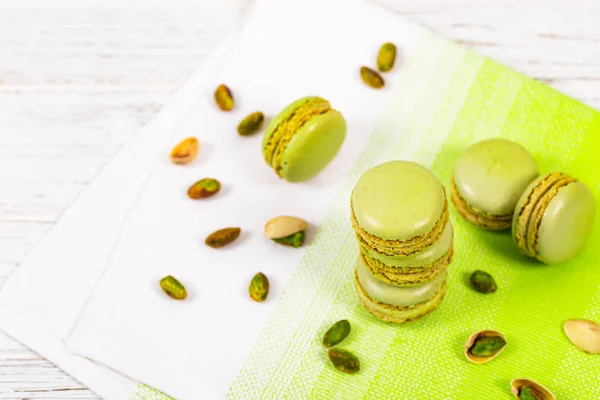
point(371, 78)
point(338, 332)
point(173, 288)
point(204, 188)
point(386, 57)
point(222, 237)
point(343, 360)
point(224, 98)
point(259, 288)
point(295, 240)
point(251, 124)
point(483, 282)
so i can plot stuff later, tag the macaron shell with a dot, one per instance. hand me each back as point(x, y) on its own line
point(398, 295)
point(422, 258)
point(566, 224)
point(525, 206)
point(398, 200)
point(492, 174)
point(313, 147)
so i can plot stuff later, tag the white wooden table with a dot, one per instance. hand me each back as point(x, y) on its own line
point(80, 77)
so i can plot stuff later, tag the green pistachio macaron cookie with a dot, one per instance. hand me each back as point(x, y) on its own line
point(488, 180)
point(399, 208)
point(303, 138)
point(398, 304)
point(553, 218)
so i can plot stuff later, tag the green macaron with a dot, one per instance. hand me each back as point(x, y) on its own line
point(488, 180)
point(303, 139)
point(553, 218)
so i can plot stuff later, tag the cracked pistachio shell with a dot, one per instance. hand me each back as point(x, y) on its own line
point(204, 188)
point(371, 78)
point(338, 332)
point(484, 346)
point(173, 288)
point(281, 227)
point(344, 360)
point(259, 288)
point(483, 282)
point(295, 240)
point(224, 98)
point(584, 334)
point(526, 389)
point(222, 237)
point(251, 124)
point(185, 151)
point(386, 57)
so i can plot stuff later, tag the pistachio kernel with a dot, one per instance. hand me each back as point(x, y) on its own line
point(251, 124)
point(338, 332)
point(224, 98)
point(483, 282)
point(173, 288)
point(371, 78)
point(526, 389)
point(295, 240)
point(222, 237)
point(386, 57)
point(204, 188)
point(259, 288)
point(484, 346)
point(185, 151)
point(344, 360)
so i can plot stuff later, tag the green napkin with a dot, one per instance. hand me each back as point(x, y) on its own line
point(444, 99)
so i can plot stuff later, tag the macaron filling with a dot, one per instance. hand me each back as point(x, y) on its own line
point(285, 130)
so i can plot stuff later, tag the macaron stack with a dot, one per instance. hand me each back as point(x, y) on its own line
point(400, 216)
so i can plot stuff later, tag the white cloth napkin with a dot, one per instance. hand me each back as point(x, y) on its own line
point(194, 349)
point(41, 302)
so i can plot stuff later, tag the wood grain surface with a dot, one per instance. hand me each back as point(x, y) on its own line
point(80, 77)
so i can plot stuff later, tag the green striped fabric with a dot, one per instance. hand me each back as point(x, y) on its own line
point(445, 98)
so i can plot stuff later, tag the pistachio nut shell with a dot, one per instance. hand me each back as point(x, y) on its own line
point(224, 98)
point(259, 288)
point(222, 237)
point(173, 288)
point(204, 188)
point(344, 360)
point(483, 282)
point(386, 57)
point(487, 349)
point(371, 78)
point(584, 334)
point(284, 226)
point(526, 389)
point(185, 151)
point(295, 240)
point(338, 332)
point(251, 124)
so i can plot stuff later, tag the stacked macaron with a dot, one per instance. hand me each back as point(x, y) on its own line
point(400, 216)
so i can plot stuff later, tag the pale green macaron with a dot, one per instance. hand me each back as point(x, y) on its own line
point(303, 138)
point(488, 180)
point(553, 218)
